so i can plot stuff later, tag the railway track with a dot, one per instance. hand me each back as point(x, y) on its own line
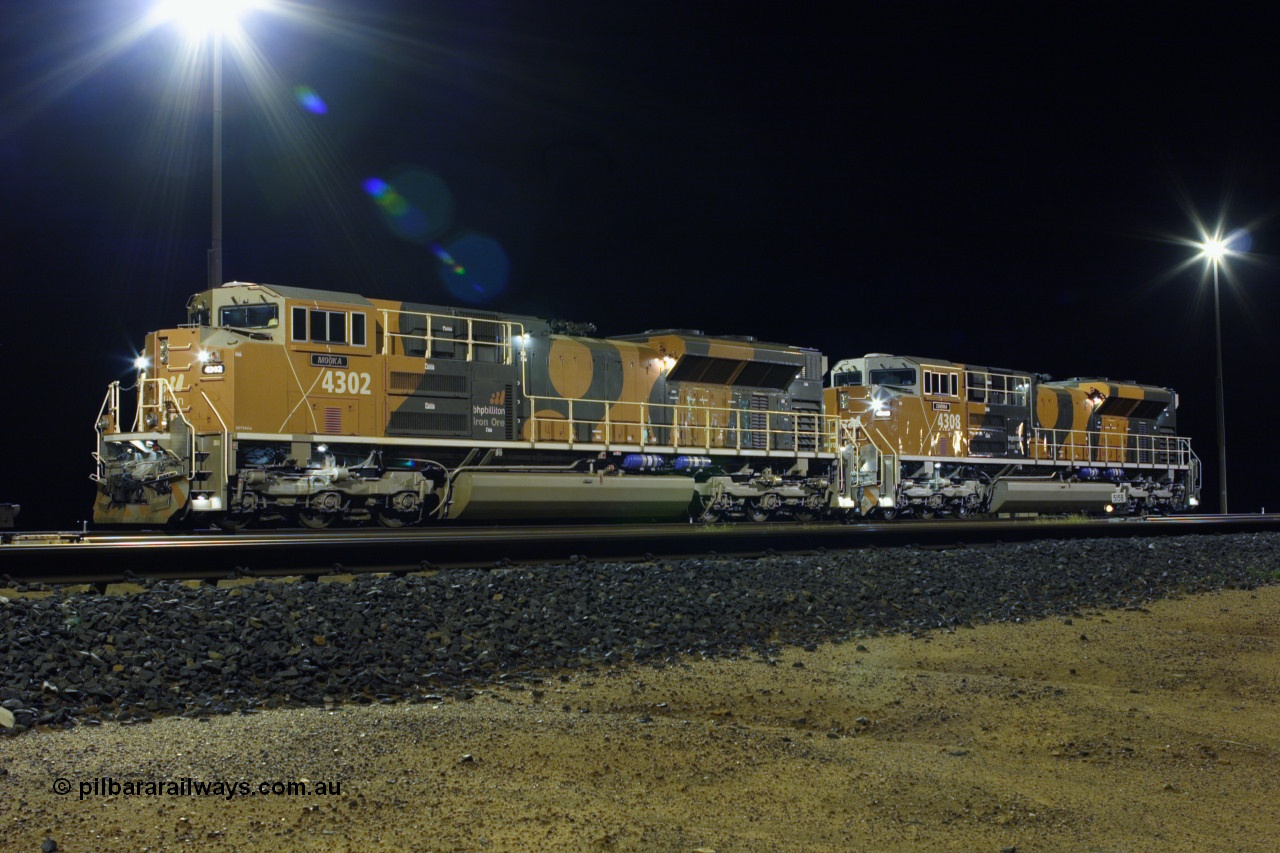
point(103, 558)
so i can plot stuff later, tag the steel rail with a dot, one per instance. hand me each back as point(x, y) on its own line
point(96, 557)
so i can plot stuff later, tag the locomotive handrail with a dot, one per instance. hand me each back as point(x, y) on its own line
point(108, 419)
point(1110, 448)
point(503, 347)
point(162, 389)
point(110, 408)
point(887, 457)
point(164, 393)
point(226, 438)
point(691, 427)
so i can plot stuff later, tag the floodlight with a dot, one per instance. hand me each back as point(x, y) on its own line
point(199, 18)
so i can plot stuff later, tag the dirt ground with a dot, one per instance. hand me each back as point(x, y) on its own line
point(1126, 731)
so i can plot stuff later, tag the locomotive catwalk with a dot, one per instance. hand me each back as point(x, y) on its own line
point(278, 405)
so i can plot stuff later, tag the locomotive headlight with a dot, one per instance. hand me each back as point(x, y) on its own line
point(141, 363)
point(203, 356)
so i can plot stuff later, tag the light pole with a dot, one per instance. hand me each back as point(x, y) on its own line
point(1215, 249)
point(201, 18)
point(215, 248)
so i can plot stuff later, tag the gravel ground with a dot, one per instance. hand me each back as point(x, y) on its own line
point(68, 659)
point(1149, 729)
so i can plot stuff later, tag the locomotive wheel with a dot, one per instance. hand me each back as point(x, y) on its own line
point(757, 513)
point(314, 519)
point(399, 510)
point(887, 513)
point(391, 518)
point(320, 511)
point(232, 523)
point(804, 516)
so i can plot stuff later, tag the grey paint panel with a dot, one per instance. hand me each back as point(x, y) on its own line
point(1050, 496)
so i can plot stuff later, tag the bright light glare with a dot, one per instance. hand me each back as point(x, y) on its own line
point(202, 356)
point(1215, 247)
point(201, 17)
point(141, 362)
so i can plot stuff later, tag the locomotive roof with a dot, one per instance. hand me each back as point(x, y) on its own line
point(301, 292)
point(1077, 381)
point(695, 335)
point(314, 295)
point(939, 362)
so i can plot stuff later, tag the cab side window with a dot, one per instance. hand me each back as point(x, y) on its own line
point(319, 326)
point(299, 333)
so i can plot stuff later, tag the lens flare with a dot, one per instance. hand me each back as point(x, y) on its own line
point(448, 260)
point(309, 100)
point(475, 268)
point(416, 205)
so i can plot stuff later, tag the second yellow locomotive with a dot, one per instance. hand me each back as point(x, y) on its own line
point(928, 437)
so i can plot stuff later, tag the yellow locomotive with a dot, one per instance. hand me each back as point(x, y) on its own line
point(285, 405)
point(279, 404)
point(928, 437)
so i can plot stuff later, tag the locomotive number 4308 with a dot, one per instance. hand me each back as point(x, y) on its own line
point(346, 382)
point(948, 422)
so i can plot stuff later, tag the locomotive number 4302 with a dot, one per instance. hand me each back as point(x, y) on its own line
point(346, 382)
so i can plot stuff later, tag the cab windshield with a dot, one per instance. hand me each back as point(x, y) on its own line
point(846, 377)
point(261, 316)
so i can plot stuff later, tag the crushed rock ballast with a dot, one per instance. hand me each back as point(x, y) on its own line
point(69, 659)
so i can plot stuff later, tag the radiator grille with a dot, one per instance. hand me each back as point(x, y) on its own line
point(427, 423)
point(405, 382)
point(758, 421)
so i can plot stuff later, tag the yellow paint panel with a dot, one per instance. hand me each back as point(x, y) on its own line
point(569, 365)
point(550, 426)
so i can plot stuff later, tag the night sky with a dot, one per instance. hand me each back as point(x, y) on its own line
point(996, 184)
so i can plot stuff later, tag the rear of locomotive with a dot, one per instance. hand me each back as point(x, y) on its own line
point(742, 416)
point(1117, 441)
point(664, 424)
